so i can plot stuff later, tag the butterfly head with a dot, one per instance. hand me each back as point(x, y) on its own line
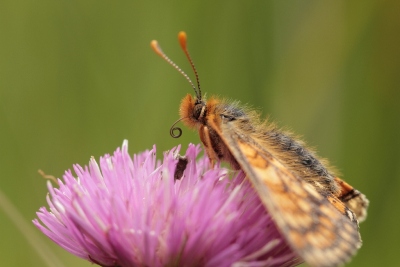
point(193, 111)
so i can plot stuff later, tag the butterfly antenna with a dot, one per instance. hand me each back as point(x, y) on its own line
point(183, 42)
point(156, 47)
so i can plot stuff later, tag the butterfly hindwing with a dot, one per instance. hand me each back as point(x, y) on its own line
point(353, 199)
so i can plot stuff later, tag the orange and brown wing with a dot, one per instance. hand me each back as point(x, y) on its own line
point(353, 199)
point(321, 233)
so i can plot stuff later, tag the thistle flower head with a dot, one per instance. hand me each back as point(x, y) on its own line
point(130, 211)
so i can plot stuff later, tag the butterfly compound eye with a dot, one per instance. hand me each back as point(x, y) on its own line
point(199, 111)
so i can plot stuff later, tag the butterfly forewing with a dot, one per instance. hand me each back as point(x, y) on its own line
point(318, 231)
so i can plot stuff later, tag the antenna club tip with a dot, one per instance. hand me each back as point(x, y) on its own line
point(182, 37)
point(154, 45)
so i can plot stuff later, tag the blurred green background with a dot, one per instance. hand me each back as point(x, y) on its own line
point(78, 77)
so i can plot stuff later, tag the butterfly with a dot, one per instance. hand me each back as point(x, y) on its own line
point(317, 212)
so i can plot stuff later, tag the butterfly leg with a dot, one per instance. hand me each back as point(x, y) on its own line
point(206, 140)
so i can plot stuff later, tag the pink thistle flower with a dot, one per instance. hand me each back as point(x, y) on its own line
point(132, 212)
